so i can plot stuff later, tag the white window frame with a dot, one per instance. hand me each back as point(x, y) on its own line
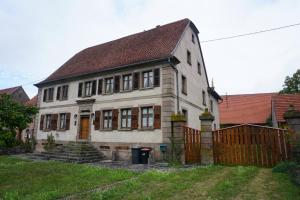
point(107, 119)
point(147, 116)
point(62, 121)
point(109, 85)
point(148, 80)
point(126, 114)
point(127, 81)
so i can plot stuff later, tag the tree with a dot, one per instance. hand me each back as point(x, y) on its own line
point(14, 116)
point(292, 84)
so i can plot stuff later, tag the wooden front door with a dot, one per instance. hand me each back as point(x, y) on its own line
point(84, 127)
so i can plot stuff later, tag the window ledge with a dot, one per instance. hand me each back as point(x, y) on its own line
point(147, 129)
point(147, 88)
point(106, 129)
point(124, 129)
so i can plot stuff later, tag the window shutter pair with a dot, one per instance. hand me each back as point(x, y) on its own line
point(157, 117)
point(54, 118)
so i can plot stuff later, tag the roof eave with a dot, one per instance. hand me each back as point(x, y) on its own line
point(164, 59)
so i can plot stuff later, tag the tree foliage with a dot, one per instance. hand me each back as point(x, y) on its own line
point(13, 115)
point(292, 84)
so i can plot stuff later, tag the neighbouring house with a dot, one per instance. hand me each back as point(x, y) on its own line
point(17, 93)
point(29, 131)
point(260, 109)
point(121, 94)
point(245, 109)
point(280, 104)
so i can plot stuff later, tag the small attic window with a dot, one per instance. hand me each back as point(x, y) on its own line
point(193, 38)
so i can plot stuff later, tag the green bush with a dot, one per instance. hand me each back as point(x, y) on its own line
point(7, 138)
point(284, 167)
point(50, 143)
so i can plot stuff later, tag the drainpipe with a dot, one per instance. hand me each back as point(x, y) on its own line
point(177, 86)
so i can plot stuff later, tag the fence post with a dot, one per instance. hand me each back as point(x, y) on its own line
point(207, 156)
point(177, 138)
point(292, 118)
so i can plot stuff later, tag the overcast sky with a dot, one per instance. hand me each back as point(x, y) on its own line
point(37, 37)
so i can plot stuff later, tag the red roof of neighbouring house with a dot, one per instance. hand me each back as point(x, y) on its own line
point(32, 101)
point(245, 108)
point(281, 103)
point(146, 46)
point(9, 90)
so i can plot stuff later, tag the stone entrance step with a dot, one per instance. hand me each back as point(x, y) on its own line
point(76, 152)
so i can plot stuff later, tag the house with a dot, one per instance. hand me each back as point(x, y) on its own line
point(280, 104)
point(121, 94)
point(17, 93)
point(260, 109)
point(29, 131)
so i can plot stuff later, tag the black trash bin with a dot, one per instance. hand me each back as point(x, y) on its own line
point(145, 155)
point(136, 152)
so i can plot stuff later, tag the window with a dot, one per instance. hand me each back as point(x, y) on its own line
point(148, 79)
point(193, 38)
point(203, 98)
point(185, 114)
point(127, 82)
point(48, 94)
point(147, 117)
point(211, 106)
point(199, 68)
point(126, 118)
point(107, 119)
point(109, 85)
point(48, 122)
point(183, 85)
point(62, 92)
point(88, 88)
point(62, 121)
point(189, 59)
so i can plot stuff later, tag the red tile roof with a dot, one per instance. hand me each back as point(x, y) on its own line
point(33, 101)
point(9, 90)
point(245, 108)
point(154, 44)
point(281, 103)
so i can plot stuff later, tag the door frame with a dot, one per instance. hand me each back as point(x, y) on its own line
point(79, 127)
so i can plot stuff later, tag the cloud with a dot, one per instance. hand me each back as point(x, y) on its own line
point(37, 37)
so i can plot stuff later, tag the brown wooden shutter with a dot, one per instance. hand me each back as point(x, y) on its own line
point(42, 122)
point(135, 118)
point(97, 120)
point(156, 77)
point(94, 86)
point(68, 117)
point(136, 81)
point(157, 118)
point(115, 113)
point(54, 118)
point(80, 89)
point(100, 85)
point(45, 95)
point(58, 93)
point(117, 84)
point(51, 93)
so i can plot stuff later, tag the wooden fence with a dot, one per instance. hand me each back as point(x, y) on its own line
point(250, 145)
point(192, 145)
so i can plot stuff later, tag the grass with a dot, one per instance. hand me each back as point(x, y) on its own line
point(20, 179)
point(23, 179)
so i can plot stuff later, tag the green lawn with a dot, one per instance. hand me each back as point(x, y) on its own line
point(21, 179)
